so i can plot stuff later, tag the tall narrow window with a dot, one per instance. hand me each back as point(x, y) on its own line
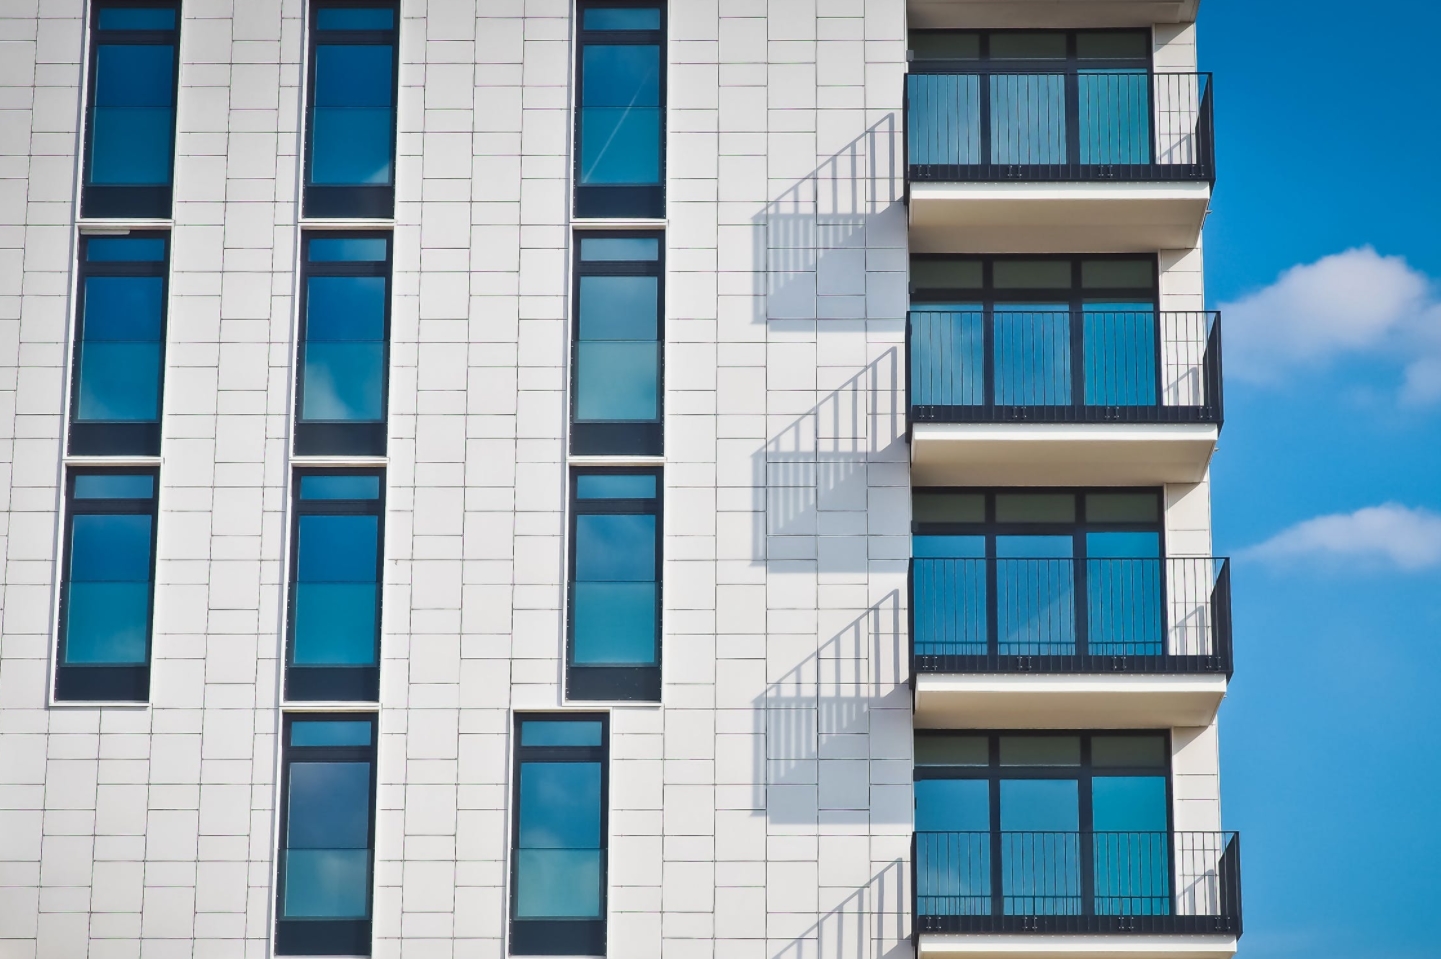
point(119, 346)
point(616, 392)
point(620, 126)
point(350, 149)
point(344, 344)
point(130, 111)
point(558, 857)
point(335, 576)
point(107, 589)
point(615, 586)
point(327, 835)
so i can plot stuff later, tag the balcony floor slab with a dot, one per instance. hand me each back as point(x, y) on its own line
point(943, 946)
point(1027, 701)
point(1050, 14)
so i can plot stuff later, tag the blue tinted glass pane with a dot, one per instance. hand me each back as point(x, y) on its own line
point(345, 308)
point(115, 249)
point(330, 732)
point(1131, 848)
point(614, 624)
point(623, 76)
point(559, 805)
point(949, 606)
point(1115, 117)
point(944, 120)
point(335, 624)
point(617, 381)
point(953, 874)
point(132, 123)
point(348, 75)
point(123, 308)
point(615, 547)
point(618, 248)
point(326, 883)
point(619, 307)
point(119, 382)
point(1034, 547)
point(110, 547)
point(1124, 608)
point(953, 805)
point(1129, 803)
point(1035, 598)
point(136, 18)
point(114, 486)
point(339, 486)
point(1122, 545)
point(106, 622)
point(1120, 355)
point(353, 115)
point(331, 249)
point(1028, 118)
point(949, 547)
point(558, 884)
point(329, 806)
point(338, 549)
point(354, 18)
point(1040, 805)
point(344, 381)
point(948, 356)
point(1033, 355)
point(620, 145)
point(615, 486)
point(545, 732)
point(619, 18)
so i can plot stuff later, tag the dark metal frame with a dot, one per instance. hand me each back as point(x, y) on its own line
point(128, 202)
point(634, 437)
point(560, 937)
point(128, 437)
point(343, 437)
point(358, 201)
point(333, 683)
point(324, 937)
point(615, 683)
point(619, 201)
point(98, 682)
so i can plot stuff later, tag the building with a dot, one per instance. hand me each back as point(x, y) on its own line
point(514, 477)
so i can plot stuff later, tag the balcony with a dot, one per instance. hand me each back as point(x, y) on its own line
point(1062, 643)
point(944, 14)
point(1099, 894)
point(1008, 162)
point(1010, 398)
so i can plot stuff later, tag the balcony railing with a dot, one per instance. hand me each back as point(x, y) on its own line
point(1182, 883)
point(1089, 366)
point(1093, 616)
point(1058, 126)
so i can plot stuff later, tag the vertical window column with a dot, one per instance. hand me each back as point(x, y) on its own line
point(342, 384)
point(335, 587)
point(350, 147)
point(620, 123)
point(327, 835)
point(559, 835)
point(613, 647)
point(130, 110)
point(117, 372)
point(107, 586)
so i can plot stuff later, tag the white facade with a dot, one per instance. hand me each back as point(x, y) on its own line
point(764, 809)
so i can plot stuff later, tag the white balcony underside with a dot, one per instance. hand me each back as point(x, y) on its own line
point(940, 946)
point(1028, 701)
point(1032, 217)
point(1060, 454)
point(1055, 14)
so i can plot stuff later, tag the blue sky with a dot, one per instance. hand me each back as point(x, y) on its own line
point(1327, 128)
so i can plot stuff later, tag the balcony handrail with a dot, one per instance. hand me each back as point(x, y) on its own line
point(999, 122)
point(1086, 881)
point(1150, 615)
point(998, 365)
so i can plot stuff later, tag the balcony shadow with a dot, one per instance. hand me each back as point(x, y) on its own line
point(871, 922)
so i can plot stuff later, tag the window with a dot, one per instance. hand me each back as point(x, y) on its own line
point(615, 586)
point(616, 385)
point(1038, 573)
point(107, 589)
point(620, 126)
point(119, 345)
point(335, 586)
point(1034, 332)
point(559, 830)
point(327, 835)
point(344, 344)
point(130, 112)
point(350, 145)
point(1043, 824)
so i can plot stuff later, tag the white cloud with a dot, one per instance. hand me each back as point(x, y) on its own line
point(1401, 536)
point(1353, 303)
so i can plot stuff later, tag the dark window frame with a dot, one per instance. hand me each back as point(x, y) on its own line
point(343, 437)
point(990, 528)
point(558, 937)
point(357, 201)
point(101, 682)
point(324, 937)
point(989, 295)
point(127, 202)
point(620, 202)
point(628, 437)
point(333, 683)
point(1070, 63)
point(127, 437)
point(614, 683)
